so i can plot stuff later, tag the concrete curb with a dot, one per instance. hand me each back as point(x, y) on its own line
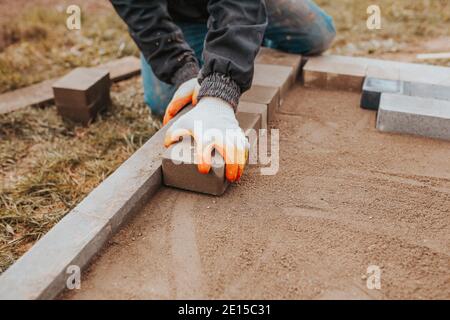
point(42, 272)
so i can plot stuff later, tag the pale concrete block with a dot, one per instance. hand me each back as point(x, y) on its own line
point(249, 122)
point(422, 73)
point(413, 115)
point(426, 90)
point(276, 57)
point(264, 95)
point(374, 87)
point(258, 108)
point(383, 70)
point(335, 72)
point(280, 77)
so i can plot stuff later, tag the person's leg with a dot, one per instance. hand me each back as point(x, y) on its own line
point(157, 94)
point(298, 26)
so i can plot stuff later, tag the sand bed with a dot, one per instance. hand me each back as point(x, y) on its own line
point(346, 197)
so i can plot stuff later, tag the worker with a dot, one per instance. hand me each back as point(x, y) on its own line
point(203, 51)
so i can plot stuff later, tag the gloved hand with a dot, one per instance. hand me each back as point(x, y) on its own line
point(187, 93)
point(212, 124)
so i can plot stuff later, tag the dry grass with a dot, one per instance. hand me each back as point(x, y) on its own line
point(47, 166)
point(408, 27)
point(41, 47)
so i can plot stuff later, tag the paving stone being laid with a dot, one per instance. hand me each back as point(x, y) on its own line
point(179, 163)
point(179, 167)
point(280, 77)
point(414, 115)
point(280, 58)
point(258, 108)
point(82, 94)
point(335, 73)
point(374, 87)
point(264, 95)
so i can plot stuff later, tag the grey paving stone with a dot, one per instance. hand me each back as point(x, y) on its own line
point(258, 108)
point(335, 73)
point(82, 94)
point(280, 77)
point(414, 115)
point(277, 57)
point(179, 165)
point(426, 90)
point(264, 95)
point(374, 87)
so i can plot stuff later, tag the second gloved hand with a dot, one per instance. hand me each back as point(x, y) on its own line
point(187, 93)
point(213, 125)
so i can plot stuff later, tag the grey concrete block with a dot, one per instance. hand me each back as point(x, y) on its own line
point(276, 57)
point(280, 77)
point(269, 96)
point(179, 166)
point(179, 163)
point(426, 90)
point(374, 87)
point(258, 108)
point(414, 115)
point(335, 73)
point(382, 69)
point(249, 122)
point(82, 93)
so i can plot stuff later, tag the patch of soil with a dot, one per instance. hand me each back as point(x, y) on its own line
point(346, 197)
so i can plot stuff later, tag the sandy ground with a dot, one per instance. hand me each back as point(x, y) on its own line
point(346, 197)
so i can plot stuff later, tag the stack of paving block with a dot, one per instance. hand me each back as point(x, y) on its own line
point(275, 73)
point(410, 98)
point(82, 94)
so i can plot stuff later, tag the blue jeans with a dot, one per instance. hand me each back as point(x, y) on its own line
point(299, 27)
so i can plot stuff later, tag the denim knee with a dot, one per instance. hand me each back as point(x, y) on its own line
point(327, 35)
point(157, 94)
point(321, 35)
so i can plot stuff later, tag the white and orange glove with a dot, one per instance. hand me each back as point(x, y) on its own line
point(187, 93)
point(213, 125)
